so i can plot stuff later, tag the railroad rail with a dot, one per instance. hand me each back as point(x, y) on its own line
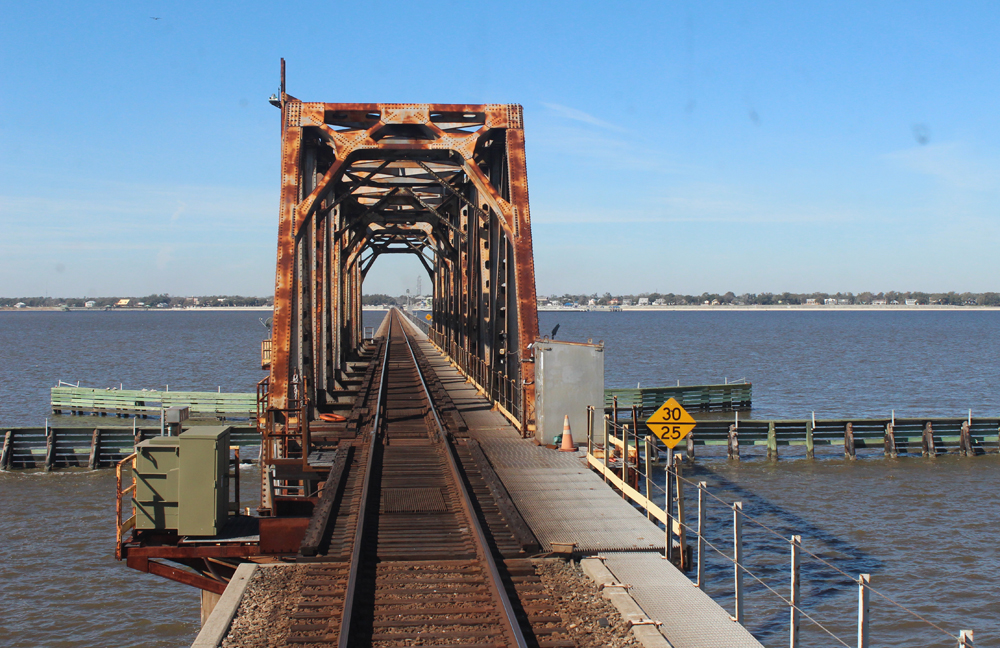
point(409, 538)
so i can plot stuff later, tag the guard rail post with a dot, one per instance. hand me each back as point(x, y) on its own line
point(624, 459)
point(738, 560)
point(793, 628)
point(607, 448)
point(648, 448)
point(701, 534)
point(590, 430)
point(668, 503)
point(681, 530)
point(863, 581)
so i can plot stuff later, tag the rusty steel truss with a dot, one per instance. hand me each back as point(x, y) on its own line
point(445, 182)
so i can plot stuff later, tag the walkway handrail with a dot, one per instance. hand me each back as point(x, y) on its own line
point(610, 470)
point(123, 526)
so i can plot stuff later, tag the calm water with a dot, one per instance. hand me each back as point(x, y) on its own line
point(923, 528)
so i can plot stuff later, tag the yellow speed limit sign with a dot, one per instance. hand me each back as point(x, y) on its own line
point(671, 423)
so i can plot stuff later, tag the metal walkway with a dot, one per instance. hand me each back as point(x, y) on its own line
point(690, 618)
point(564, 502)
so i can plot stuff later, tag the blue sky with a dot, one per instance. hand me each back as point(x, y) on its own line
point(672, 146)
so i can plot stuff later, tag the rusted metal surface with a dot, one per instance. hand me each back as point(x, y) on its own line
point(282, 535)
point(175, 574)
point(445, 182)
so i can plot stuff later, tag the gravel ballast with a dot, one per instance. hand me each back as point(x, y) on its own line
point(590, 620)
point(264, 615)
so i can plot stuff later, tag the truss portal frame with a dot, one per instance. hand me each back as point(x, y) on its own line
point(445, 182)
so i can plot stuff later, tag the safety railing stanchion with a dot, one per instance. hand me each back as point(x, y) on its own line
point(701, 534)
point(965, 639)
point(607, 448)
point(681, 521)
point(863, 581)
point(668, 506)
point(624, 459)
point(738, 560)
point(648, 451)
point(590, 430)
point(793, 626)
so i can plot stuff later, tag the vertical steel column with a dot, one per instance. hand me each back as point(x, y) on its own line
point(668, 505)
point(681, 522)
point(965, 639)
point(864, 580)
point(590, 431)
point(793, 627)
point(738, 560)
point(649, 475)
point(701, 534)
point(624, 458)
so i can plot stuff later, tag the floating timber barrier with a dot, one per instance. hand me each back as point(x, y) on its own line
point(85, 447)
point(132, 402)
point(927, 437)
point(704, 398)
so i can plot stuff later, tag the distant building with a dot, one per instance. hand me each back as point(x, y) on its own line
point(122, 303)
point(659, 302)
point(89, 303)
point(613, 302)
point(810, 301)
point(626, 302)
point(591, 302)
point(20, 305)
point(879, 302)
point(829, 301)
point(911, 302)
point(843, 302)
point(644, 301)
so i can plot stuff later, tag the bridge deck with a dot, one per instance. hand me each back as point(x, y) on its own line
point(564, 502)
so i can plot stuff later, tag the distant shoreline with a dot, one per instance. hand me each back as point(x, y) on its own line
point(545, 309)
point(772, 307)
point(193, 309)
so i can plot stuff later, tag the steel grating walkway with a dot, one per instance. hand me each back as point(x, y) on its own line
point(563, 501)
point(690, 618)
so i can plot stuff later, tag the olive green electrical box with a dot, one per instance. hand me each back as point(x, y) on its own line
point(156, 476)
point(182, 483)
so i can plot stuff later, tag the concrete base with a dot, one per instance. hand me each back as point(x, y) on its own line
point(217, 624)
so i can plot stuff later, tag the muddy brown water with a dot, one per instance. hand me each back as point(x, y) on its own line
point(923, 528)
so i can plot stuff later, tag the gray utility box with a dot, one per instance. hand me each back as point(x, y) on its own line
point(569, 376)
point(182, 482)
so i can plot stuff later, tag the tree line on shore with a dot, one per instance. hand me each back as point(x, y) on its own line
point(161, 300)
point(769, 299)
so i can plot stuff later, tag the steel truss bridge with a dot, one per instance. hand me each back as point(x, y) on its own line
point(444, 182)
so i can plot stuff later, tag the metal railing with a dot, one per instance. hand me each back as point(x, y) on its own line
point(506, 393)
point(124, 526)
point(615, 453)
point(265, 353)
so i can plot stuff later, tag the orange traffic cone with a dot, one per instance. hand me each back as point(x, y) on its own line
point(567, 437)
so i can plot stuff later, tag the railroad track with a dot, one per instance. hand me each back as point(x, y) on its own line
point(415, 549)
